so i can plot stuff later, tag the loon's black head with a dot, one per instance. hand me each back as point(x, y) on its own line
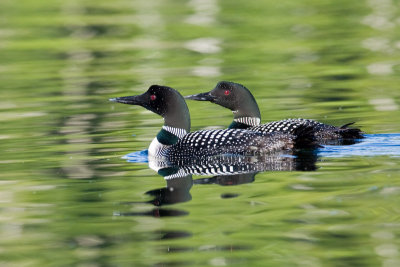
point(231, 95)
point(164, 101)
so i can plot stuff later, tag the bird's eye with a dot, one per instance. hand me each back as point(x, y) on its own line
point(227, 92)
point(153, 97)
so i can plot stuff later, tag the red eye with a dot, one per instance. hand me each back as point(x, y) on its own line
point(227, 92)
point(153, 97)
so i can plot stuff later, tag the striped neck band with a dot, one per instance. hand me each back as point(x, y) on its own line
point(180, 133)
point(252, 121)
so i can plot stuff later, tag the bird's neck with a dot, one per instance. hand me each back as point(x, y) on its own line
point(244, 122)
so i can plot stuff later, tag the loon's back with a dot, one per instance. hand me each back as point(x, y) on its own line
point(322, 132)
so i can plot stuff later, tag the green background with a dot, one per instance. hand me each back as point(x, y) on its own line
point(63, 183)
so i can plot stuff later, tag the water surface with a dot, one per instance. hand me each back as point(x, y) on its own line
point(67, 198)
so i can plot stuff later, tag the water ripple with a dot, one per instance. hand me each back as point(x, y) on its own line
point(372, 145)
point(137, 157)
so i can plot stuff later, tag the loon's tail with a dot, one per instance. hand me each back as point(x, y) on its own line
point(305, 137)
point(350, 133)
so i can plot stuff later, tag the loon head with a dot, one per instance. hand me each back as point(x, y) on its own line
point(164, 101)
point(233, 96)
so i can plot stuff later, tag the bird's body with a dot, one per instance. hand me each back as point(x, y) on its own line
point(247, 115)
point(324, 133)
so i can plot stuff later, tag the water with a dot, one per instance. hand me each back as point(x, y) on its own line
point(67, 198)
point(372, 145)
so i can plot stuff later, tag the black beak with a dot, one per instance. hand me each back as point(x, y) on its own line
point(131, 100)
point(201, 97)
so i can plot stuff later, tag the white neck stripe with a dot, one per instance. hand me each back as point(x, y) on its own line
point(180, 133)
point(252, 121)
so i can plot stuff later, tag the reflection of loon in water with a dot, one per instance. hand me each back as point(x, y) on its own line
point(243, 170)
point(236, 164)
point(227, 170)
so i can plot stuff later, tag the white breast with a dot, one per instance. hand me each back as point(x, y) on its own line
point(156, 149)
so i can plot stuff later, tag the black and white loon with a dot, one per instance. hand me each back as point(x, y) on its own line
point(247, 115)
point(174, 143)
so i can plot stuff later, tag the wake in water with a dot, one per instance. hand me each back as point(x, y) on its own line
point(371, 145)
point(138, 156)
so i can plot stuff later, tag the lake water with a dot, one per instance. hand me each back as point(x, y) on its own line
point(68, 198)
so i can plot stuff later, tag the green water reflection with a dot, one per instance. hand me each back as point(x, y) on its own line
point(68, 199)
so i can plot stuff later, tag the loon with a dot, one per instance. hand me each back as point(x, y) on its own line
point(175, 143)
point(247, 115)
